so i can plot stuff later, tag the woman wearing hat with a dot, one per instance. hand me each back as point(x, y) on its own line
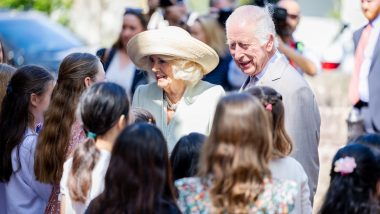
point(180, 101)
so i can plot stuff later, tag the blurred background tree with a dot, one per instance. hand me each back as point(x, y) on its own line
point(58, 9)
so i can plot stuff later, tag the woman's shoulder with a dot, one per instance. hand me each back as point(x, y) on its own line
point(278, 196)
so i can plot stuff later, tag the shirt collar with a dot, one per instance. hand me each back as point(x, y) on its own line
point(271, 60)
point(376, 22)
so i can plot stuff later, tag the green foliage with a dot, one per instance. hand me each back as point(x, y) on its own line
point(47, 6)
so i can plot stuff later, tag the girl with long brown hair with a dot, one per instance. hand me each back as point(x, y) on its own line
point(282, 165)
point(62, 130)
point(234, 175)
point(104, 110)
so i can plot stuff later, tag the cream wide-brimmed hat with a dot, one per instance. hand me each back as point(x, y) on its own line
point(170, 41)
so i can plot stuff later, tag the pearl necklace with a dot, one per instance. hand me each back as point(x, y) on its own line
point(171, 106)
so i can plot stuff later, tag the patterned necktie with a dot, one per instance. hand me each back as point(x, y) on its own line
point(359, 57)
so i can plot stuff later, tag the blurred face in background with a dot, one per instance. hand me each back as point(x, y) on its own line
point(293, 10)
point(131, 27)
point(197, 32)
point(370, 8)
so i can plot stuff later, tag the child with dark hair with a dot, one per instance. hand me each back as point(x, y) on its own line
point(27, 98)
point(104, 109)
point(355, 175)
point(140, 115)
point(283, 166)
point(185, 155)
point(138, 179)
point(371, 140)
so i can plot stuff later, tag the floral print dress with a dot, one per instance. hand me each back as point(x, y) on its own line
point(277, 198)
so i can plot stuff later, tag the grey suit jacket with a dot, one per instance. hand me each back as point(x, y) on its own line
point(302, 118)
point(373, 81)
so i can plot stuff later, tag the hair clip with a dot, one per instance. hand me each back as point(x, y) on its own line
point(345, 165)
point(91, 135)
point(269, 107)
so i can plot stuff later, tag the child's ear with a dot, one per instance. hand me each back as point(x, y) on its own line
point(122, 123)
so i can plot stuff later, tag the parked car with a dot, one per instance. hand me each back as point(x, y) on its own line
point(30, 37)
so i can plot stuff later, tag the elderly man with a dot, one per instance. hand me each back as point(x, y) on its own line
point(252, 42)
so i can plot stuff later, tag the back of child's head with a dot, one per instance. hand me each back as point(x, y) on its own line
point(185, 155)
point(355, 174)
point(138, 175)
point(102, 106)
point(272, 101)
point(140, 115)
point(371, 140)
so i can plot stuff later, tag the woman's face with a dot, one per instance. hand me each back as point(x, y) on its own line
point(197, 32)
point(162, 70)
point(131, 27)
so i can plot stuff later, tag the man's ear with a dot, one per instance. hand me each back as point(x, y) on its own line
point(270, 44)
point(87, 82)
point(34, 100)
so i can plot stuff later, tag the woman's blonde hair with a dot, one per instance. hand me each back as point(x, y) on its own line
point(237, 153)
point(188, 71)
point(215, 35)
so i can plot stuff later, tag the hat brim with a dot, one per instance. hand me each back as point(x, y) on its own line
point(170, 41)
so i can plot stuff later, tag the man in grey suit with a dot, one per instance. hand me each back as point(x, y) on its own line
point(364, 90)
point(252, 42)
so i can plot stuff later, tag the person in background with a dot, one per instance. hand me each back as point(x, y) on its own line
point(179, 101)
point(185, 155)
point(62, 131)
point(138, 179)
point(104, 110)
point(354, 183)
point(208, 30)
point(252, 42)
point(6, 72)
point(364, 90)
point(116, 61)
point(139, 115)
point(3, 54)
point(234, 174)
point(283, 166)
point(27, 98)
point(299, 56)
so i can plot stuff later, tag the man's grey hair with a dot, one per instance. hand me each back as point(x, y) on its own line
point(260, 17)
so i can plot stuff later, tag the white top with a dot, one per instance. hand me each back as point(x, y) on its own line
point(288, 168)
point(24, 194)
point(121, 75)
point(367, 60)
point(97, 183)
point(195, 110)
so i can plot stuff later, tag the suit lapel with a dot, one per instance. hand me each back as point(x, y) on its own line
point(376, 52)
